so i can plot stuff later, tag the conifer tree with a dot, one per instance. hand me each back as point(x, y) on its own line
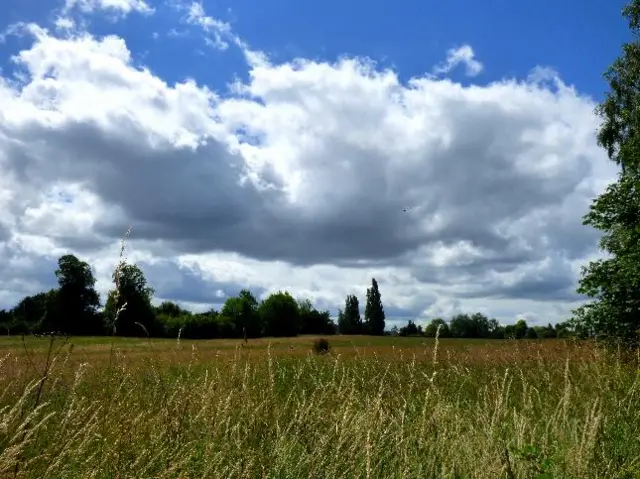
point(349, 321)
point(374, 312)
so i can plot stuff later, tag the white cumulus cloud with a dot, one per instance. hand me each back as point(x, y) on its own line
point(312, 176)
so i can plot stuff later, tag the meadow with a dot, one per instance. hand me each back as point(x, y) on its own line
point(372, 407)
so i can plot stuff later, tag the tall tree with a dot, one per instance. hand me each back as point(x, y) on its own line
point(130, 303)
point(613, 282)
point(461, 326)
point(520, 329)
point(280, 315)
point(373, 311)
point(77, 301)
point(242, 312)
point(349, 321)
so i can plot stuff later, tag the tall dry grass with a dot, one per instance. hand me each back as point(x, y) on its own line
point(420, 412)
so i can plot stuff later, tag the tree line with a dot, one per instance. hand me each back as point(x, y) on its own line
point(74, 308)
point(480, 326)
point(461, 325)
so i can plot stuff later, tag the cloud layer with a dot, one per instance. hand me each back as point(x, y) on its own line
point(310, 176)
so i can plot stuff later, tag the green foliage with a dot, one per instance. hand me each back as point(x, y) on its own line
point(6, 322)
point(374, 311)
point(510, 331)
point(128, 309)
point(521, 329)
point(474, 326)
point(411, 329)
point(178, 322)
point(209, 325)
point(32, 312)
point(72, 309)
point(313, 321)
point(531, 333)
point(431, 328)
point(349, 321)
point(170, 309)
point(320, 346)
point(76, 301)
point(280, 316)
point(545, 332)
point(242, 312)
point(614, 313)
point(536, 464)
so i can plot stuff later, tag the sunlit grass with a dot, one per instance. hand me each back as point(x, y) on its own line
point(373, 407)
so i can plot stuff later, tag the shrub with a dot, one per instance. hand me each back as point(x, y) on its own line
point(320, 346)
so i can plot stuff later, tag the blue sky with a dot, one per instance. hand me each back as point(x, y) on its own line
point(579, 39)
point(294, 163)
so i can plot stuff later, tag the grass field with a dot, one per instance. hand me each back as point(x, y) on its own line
point(373, 407)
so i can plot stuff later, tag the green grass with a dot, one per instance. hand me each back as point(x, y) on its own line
point(373, 407)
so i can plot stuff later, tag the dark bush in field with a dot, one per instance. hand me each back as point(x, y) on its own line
point(320, 346)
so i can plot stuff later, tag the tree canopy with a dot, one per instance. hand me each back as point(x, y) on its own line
point(614, 281)
point(76, 301)
point(128, 309)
